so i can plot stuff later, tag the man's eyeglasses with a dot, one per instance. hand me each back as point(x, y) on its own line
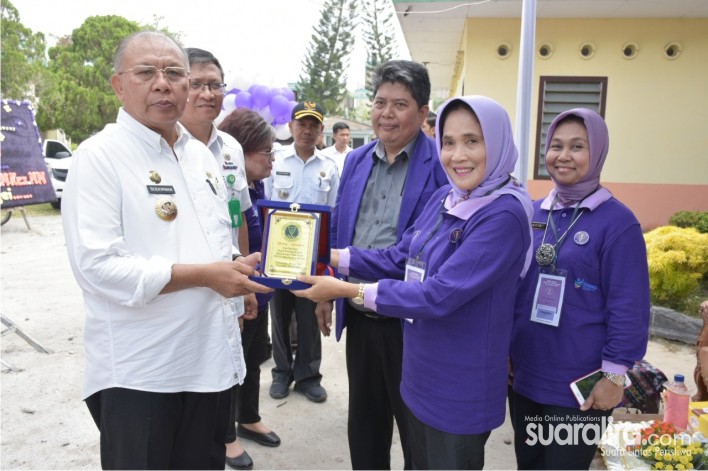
point(215, 88)
point(147, 73)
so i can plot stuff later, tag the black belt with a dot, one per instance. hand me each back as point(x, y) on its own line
point(367, 312)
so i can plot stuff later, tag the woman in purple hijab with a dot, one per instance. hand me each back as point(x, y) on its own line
point(583, 306)
point(451, 280)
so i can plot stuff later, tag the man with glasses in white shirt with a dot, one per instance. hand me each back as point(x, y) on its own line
point(206, 95)
point(148, 236)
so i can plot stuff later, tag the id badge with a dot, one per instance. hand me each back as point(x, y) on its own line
point(548, 300)
point(235, 212)
point(415, 272)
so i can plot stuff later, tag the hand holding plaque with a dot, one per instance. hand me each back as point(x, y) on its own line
point(295, 238)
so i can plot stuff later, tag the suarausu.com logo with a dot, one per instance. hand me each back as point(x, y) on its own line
point(546, 429)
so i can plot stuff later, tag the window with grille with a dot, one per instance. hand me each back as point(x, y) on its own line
point(557, 94)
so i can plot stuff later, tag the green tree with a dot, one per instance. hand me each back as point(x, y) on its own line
point(378, 36)
point(79, 97)
point(324, 79)
point(23, 55)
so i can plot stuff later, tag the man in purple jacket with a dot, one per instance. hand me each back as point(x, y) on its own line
point(384, 187)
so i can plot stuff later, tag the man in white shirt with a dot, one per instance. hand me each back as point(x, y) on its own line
point(148, 237)
point(338, 152)
point(300, 174)
point(206, 95)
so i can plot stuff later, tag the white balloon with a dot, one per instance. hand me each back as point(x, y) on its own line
point(282, 132)
point(265, 114)
point(229, 103)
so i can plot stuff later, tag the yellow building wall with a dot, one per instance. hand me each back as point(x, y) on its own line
point(656, 108)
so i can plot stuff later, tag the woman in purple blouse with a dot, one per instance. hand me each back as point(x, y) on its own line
point(583, 305)
point(451, 280)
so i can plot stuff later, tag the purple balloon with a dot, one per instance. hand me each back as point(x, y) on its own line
point(276, 91)
point(233, 91)
point(244, 100)
point(261, 96)
point(281, 119)
point(289, 94)
point(279, 106)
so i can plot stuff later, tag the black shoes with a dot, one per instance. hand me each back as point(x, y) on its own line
point(243, 461)
point(265, 439)
point(279, 390)
point(314, 392)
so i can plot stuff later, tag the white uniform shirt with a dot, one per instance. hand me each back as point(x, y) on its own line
point(337, 156)
point(229, 156)
point(313, 182)
point(121, 254)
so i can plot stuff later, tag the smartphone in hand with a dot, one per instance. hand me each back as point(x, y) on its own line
point(582, 387)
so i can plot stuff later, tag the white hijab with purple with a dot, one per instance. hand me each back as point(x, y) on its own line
point(599, 143)
point(501, 159)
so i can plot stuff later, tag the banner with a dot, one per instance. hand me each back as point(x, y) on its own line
point(24, 173)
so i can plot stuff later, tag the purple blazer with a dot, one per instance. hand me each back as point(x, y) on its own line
point(425, 175)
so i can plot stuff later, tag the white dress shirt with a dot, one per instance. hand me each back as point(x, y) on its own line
point(229, 156)
point(121, 254)
point(337, 156)
point(293, 180)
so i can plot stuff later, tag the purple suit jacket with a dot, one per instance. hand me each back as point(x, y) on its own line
point(425, 175)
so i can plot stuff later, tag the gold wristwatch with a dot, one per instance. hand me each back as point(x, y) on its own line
point(617, 380)
point(359, 299)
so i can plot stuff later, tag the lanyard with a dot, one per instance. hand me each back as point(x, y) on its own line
point(435, 229)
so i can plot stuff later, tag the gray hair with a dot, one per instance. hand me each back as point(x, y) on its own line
point(413, 75)
point(201, 56)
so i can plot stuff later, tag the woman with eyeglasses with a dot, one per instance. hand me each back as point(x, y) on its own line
point(256, 137)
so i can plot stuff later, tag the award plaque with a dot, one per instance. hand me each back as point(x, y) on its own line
point(295, 239)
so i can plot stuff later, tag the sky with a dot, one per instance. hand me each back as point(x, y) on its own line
point(257, 41)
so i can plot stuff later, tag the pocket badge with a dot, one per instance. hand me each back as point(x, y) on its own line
point(166, 209)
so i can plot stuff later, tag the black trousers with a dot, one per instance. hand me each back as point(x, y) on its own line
point(374, 353)
point(245, 397)
point(147, 430)
point(305, 368)
point(538, 423)
point(435, 449)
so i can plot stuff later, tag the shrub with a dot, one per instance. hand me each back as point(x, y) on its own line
point(697, 219)
point(678, 261)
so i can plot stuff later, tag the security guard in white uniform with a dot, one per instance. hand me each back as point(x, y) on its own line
point(300, 174)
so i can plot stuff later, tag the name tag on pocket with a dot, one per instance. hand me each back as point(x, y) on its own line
point(161, 189)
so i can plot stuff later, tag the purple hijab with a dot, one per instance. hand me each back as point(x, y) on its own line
point(599, 142)
point(501, 159)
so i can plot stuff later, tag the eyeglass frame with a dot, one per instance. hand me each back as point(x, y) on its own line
point(156, 70)
point(270, 154)
point(210, 85)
